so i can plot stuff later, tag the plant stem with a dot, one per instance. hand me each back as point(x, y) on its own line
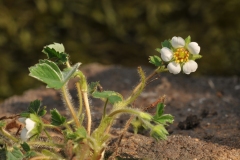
point(104, 109)
point(8, 135)
point(80, 99)
point(124, 110)
point(68, 64)
point(69, 105)
point(85, 99)
point(84, 88)
point(47, 134)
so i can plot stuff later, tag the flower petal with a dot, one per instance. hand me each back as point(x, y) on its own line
point(193, 48)
point(174, 67)
point(57, 46)
point(22, 120)
point(166, 54)
point(24, 135)
point(177, 42)
point(190, 66)
point(29, 124)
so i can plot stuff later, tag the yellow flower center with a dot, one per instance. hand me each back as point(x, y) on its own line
point(181, 55)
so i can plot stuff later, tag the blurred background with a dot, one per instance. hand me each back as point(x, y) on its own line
point(123, 32)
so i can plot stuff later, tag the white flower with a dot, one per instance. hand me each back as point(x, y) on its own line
point(174, 67)
point(57, 46)
point(190, 66)
point(166, 54)
point(180, 56)
point(29, 125)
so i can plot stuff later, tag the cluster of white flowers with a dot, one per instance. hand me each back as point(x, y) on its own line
point(26, 131)
point(179, 56)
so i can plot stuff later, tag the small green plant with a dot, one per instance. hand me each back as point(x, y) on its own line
point(76, 140)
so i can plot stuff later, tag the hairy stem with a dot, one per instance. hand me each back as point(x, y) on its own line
point(89, 123)
point(124, 110)
point(69, 105)
point(80, 99)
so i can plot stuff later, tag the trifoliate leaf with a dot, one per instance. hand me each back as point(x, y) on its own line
point(58, 57)
point(49, 73)
point(167, 44)
point(187, 40)
point(25, 147)
point(56, 118)
point(155, 60)
point(35, 108)
point(161, 118)
point(113, 97)
point(15, 154)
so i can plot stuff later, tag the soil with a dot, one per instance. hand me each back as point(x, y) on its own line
point(206, 113)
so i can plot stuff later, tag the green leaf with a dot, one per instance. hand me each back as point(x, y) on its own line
point(42, 112)
point(15, 154)
point(160, 109)
point(167, 44)
point(187, 40)
point(49, 73)
point(60, 58)
point(35, 108)
point(52, 64)
point(69, 72)
point(56, 118)
point(161, 118)
point(155, 60)
point(113, 97)
point(164, 119)
point(79, 135)
point(25, 147)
